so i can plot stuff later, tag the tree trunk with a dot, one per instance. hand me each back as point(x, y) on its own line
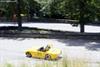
point(19, 20)
point(82, 13)
point(82, 27)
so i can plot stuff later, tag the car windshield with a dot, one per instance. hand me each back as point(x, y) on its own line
point(47, 48)
point(41, 49)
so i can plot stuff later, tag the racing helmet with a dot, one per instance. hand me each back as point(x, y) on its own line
point(49, 45)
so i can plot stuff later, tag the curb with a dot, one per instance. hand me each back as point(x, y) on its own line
point(52, 35)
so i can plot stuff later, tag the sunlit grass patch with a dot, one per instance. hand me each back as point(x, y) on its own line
point(8, 65)
point(76, 63)
point(24, 65)
point(64, 62)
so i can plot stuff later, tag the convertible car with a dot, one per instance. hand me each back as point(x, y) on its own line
point(46, 53)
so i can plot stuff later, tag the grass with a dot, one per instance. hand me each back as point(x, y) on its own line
point(65, 62)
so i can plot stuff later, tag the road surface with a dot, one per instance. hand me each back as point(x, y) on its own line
point(13, 50)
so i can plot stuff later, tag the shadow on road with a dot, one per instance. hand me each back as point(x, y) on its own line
point(88, 44)
point(68, 38)
point(13, 38)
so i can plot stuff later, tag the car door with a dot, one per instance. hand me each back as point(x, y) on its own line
point(40, 54)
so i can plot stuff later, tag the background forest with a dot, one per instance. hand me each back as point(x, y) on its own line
point(84, 11)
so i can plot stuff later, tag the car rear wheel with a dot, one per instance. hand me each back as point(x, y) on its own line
point(28, 55)
point(47, 57)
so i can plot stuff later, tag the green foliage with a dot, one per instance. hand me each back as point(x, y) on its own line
point(9, 9)
point(69, 9)
point(8, 65)
point(57, 9)
point(27, 6)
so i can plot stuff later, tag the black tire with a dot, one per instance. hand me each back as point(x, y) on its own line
point(47, 57)
point(28, 54)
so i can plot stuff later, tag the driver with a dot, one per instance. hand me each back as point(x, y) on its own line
point(47, 48)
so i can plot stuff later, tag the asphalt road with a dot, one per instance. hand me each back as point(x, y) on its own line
point(13, 49)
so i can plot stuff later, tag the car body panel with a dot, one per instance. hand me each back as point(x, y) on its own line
point(54, 53)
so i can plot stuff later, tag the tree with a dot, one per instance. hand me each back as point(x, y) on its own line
point(33, 8)
point(86, 11)
point(57, 9)
point(19, 19)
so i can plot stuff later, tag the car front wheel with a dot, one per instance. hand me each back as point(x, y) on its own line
point(28, 54)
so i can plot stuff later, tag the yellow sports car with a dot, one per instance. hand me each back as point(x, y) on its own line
point(47, 53)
